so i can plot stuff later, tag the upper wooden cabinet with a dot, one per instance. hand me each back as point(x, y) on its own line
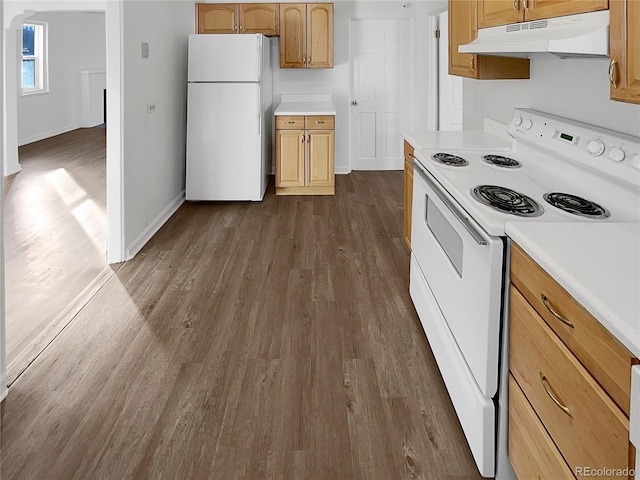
point(238, 18)
point(217, 17)
point(501, 12)
point(463, 17)
point(306, 35)
point(624, 68)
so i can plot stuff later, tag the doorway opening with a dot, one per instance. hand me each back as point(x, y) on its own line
point(55, 207)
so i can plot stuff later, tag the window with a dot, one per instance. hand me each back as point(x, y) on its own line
point(34, 58)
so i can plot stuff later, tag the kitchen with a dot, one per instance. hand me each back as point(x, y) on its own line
point(550, 89)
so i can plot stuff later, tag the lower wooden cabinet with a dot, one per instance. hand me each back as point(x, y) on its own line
point(305, 155)
point(531, 451)
point(408, 191)
point(566, 418)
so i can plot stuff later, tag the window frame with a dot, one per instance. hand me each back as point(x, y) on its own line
point(40, 56)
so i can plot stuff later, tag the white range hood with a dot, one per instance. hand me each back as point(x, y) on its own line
point(581, 35)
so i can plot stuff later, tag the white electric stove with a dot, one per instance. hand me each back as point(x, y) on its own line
point(556, 170)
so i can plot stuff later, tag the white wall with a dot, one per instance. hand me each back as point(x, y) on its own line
point(337, 80)
point(77, 41)
point(153, 145)
point(572, 88)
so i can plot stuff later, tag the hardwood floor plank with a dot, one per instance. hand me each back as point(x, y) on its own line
point(55, 239)
point(271, 340)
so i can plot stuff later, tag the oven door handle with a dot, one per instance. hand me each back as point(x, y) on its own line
point(479, 239)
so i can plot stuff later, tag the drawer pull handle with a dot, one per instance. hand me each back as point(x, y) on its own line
point(612, 68)
point(319, 123)
point(545, 385)
point(545, 302)
point(290, 123)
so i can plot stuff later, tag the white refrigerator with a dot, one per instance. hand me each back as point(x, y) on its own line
point(229, 117)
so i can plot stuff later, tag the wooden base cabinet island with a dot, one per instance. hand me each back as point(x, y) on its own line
point(305, 126)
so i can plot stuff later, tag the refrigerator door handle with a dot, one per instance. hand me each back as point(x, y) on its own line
point(259, 45)
point(259, 109)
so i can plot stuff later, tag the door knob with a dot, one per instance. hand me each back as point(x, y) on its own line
point(354, 102)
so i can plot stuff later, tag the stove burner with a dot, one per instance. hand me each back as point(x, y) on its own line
point(449, 159)
point(507, 200)
point(576, 205)
point(500, 161)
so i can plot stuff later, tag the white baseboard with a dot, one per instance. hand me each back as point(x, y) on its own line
point(157, 223)
point(12, 169)
point(49, 134)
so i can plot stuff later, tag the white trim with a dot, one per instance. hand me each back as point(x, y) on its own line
point(3, 332)
point(49, 134)
point(433, 88)
point(115, 147)
point(343, 170)
point(157, 223)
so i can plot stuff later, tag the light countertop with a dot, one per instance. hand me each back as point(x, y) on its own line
point(305, 105)
point(493, 137)
point(597, 263)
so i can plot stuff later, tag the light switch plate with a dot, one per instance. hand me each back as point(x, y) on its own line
point(145, 50)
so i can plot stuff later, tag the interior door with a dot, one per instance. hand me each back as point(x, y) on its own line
point(380, 107)
point(449, 86)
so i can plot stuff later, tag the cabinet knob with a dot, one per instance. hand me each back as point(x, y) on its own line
point(354, 102)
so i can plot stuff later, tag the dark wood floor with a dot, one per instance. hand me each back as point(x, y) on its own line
point(272, 340)
point(55, 239)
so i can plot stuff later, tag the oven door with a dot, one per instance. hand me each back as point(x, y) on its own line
point(462, 266)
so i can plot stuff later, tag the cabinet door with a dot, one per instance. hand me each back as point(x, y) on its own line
point(499, 12)
point(290, 151)
point(320, 158)
point(261, 18)
point(320, 35)
point(538, 9)
point(624, 69)
point(293, 35)
point(462, 29)
point(217, 17)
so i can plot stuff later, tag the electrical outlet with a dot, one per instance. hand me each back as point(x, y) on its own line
point(145, 50)
point(151, 108)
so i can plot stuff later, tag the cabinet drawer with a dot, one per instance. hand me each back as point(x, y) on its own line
point(588, 428)
point(602, 354)
point(289, 122)
point(320, 122)
point(531, 451)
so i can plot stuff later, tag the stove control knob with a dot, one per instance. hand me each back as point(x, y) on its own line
point(635, 161)
point(527, 124)
point(517, 121)
point(595, 147)
point(616, 154)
